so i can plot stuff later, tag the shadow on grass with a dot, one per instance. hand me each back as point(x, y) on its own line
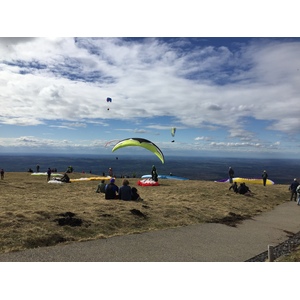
point(49, 240)
point(231, 220)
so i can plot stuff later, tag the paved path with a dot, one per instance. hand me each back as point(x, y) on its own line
point(197, 243)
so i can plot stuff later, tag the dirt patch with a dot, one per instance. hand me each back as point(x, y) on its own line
point(138, 213)
point(44, 241)
point(68, 219)
point(231, 220)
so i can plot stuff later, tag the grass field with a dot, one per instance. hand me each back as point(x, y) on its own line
point(34, 213)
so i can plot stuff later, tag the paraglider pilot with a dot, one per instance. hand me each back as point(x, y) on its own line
point(154, 174)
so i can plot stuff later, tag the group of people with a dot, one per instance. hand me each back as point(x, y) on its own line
point(295, 191)
point(112, 191)
point(65, 178)
point(241, 189)
point(294, 187)
point(231, 176)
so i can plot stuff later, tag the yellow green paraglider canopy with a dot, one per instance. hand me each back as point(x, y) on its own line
point(173, 130)
point(140, 143)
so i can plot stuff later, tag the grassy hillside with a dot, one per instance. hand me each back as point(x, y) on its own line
point(34, 213)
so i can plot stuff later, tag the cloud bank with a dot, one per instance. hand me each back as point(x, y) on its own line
point(198, 83)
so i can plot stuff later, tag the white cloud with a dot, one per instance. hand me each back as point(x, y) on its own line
point(202, 138)
point(65, 79)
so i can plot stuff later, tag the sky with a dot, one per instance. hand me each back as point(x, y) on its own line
point(226, 96)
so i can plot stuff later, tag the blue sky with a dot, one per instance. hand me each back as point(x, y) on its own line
point(236, 96)
point(225, 96)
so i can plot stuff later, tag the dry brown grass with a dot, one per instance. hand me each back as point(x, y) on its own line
point(30, 208)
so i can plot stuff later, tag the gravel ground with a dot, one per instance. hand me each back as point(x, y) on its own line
point(285, 248)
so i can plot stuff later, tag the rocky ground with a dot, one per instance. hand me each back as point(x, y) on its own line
point(285, 248)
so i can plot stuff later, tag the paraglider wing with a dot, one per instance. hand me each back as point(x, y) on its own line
point(140, 143)
point(108, 99)
point(173, 130)
point(110, 142)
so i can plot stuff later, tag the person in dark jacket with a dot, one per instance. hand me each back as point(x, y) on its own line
point(125, 191)
point(244, 190)
point(154, 174)
point(134, 195)
point(111, 190)
point(49, 174)
point(264, 177)
point(65, 178)
point(234, 186)
point(293, 189)
point(231, 174)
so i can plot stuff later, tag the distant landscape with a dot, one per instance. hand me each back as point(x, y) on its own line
point(281, 171)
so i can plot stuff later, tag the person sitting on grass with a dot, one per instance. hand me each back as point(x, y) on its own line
point(244, 190)
point(65, 178)
point(101, 187)
point(234, 186)
point(134, 195)
point(125, 191)
point(111, 190)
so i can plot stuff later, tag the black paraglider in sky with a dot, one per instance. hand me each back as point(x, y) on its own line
point(108, 99)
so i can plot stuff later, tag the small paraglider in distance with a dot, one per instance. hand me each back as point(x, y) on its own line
point(173, 131)
point(108, 99)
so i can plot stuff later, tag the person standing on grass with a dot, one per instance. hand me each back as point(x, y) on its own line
point(154, 174)
point(231, 174)
point(293, 189)
point(264, 177)
point(2, 174)
point(49, 174)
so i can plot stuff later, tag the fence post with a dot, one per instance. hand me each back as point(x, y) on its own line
point(270, 253)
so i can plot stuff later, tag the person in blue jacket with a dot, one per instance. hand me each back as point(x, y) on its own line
point(111, 190)
point(125, 191)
